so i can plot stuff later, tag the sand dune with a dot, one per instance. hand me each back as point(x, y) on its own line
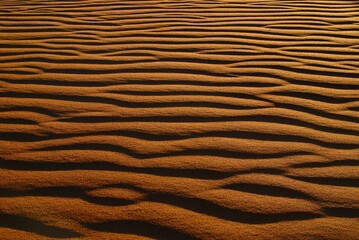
point(169, 119)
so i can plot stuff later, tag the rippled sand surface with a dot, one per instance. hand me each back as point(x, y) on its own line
point(179, 119)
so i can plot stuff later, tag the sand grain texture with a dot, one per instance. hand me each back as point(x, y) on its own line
point(179, 119)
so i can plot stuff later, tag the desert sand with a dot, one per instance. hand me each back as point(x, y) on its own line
point(174, 120)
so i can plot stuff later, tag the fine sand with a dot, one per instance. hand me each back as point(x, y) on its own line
point(163, 119)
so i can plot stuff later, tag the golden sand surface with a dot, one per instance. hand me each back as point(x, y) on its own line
point(187, 119)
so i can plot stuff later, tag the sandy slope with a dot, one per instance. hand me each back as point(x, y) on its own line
point(179, 119)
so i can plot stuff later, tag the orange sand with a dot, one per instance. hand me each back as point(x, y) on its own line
point(179, 119)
